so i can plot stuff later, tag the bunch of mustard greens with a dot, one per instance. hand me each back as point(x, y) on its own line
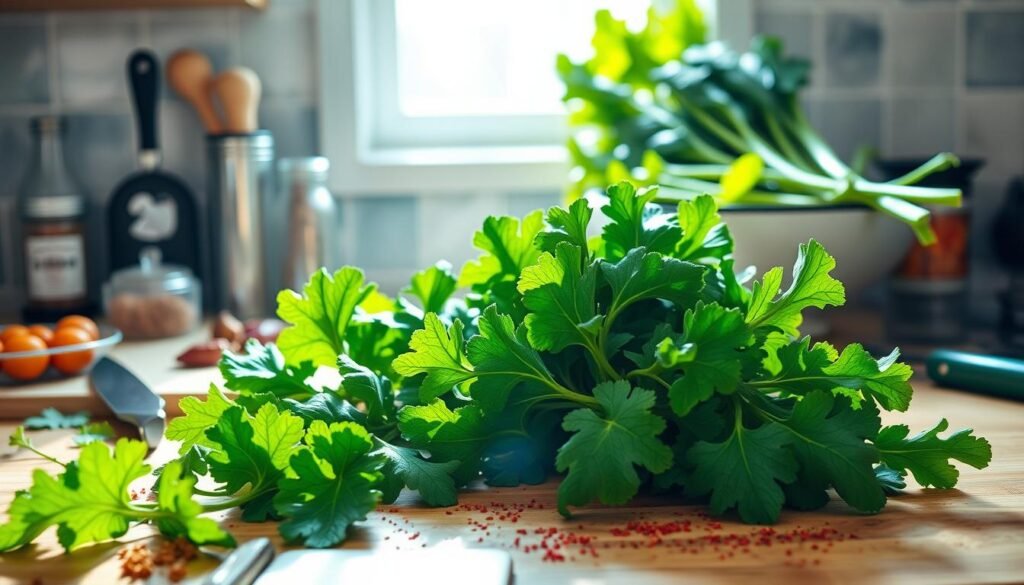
point(661, 106)
point(631, 360)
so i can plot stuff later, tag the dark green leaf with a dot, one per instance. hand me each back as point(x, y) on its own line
point(927, 456)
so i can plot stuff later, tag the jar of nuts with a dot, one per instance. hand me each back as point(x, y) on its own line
point(153, 300)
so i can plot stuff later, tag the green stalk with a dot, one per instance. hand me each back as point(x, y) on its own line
point(786, 146)
point(821, 152)
point(937, 163)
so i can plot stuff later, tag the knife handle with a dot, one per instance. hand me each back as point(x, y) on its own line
point(984, 374)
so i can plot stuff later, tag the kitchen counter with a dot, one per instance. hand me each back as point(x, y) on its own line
point(972, 534)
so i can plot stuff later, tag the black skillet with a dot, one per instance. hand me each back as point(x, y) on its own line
point(151, 207)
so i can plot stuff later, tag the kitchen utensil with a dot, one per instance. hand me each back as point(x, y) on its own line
point(983, 374)
point(244, 565)
point(190, 74)
point(153, 300)
point(151, 207)
point(129, 399)
point(109, 337)
point(312, 218)
point(239, 185)
point(450, 566)
point(238, 89)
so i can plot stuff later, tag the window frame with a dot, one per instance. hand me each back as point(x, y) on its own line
point(372, 152)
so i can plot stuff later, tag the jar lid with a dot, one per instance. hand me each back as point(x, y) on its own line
point(151, 276)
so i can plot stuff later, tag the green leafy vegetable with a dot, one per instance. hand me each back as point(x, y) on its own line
point(630, 362)
point(92, 432)
point(51, 418)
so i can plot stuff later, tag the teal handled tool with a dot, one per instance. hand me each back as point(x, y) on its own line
point(984, 374)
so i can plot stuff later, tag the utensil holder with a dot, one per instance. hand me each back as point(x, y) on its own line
point(240, 173)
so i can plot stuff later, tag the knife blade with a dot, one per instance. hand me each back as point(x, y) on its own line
point(129, 399)
point(244, 565)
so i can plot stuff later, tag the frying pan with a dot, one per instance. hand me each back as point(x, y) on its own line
point(151, 207)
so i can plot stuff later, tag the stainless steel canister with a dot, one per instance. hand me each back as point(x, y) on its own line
point(312, 218)
point(240, 183)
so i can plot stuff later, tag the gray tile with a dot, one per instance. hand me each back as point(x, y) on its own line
point(995, 48)
point(794, 28)
point(853, 48)
point(520, 204)
point(848, 124)
point(920, 46)
point(993, 128)
point(183, 142)
point(16, 145)
point(280, 45)
point(462, 216)
point(92, 52)
point(206, 31)
point(23, 64)
point(386, 232)
point(99, 151)
point(923, 126)
point(294, 126)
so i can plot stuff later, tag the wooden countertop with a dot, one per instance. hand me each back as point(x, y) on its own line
point(974, 534)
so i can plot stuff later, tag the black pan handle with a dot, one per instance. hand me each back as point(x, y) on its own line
point(144, 78)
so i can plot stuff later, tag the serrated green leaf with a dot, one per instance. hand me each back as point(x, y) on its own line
point(927, 456)
point(812, 286)
point(448, 435)
point(199, 416)
point(567, 225)
point(174, 496)
point(633, 224)
point(854, 373)
point(92, 432)
point(372, 390)
point(320, 316)
point(648, 275)
point(705, 239)
point(262, 369)
point(560, 297)
point(51, 418)
point(433, 287)
point(602, 455)
point(405, 467)
point(508, 248)
point(744, 472)
point(436, 351)
point(719, 338)
point(333, 485)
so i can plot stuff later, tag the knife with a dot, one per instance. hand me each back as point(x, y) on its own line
point(244, 565)
point(129, 399)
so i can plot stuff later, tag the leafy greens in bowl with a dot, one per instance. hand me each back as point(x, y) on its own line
point(630, 361)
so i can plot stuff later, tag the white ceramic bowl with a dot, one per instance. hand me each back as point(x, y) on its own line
point(866, 244)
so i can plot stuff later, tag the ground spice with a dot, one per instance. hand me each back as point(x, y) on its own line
point(139, 561)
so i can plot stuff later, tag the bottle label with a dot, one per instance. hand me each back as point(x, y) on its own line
point(55, 267)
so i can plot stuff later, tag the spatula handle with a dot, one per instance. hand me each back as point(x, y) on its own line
point(144, 78)
point(984, 374)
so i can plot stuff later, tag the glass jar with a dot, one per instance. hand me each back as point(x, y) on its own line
point(153, 300)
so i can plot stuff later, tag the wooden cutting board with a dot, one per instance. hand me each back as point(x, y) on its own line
point(974, 534)
point(152, 361)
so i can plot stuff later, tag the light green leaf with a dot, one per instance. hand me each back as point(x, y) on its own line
point(320, 316)
point(92, 432)
point(812, 286)
point(199, 416)
point(448, 435)
point(174, 495)
point(649, 275)
point(705, 240)
point(433, 287)
point(927, 455)
point(560, 297)
point(634, 225)
point(437, 352)
point(602, 455)
point(508, 248)
point(567, 225)
point(743, 174)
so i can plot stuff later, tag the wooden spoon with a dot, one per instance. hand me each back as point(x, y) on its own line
point(189, 72)
point(238, 90)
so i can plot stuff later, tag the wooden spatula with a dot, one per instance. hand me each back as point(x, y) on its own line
point(190, 74)
point(238, 91)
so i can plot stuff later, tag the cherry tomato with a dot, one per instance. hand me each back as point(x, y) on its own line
point(12, 331)
point(25, 368)
point(79, 322)
point(42, 332)
point(75, 361)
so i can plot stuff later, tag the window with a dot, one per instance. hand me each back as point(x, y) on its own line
point(454, 93)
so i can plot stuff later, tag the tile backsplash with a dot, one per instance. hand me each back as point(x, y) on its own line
point(908, 77)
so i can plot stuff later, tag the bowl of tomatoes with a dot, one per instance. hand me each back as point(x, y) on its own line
point(70, 347)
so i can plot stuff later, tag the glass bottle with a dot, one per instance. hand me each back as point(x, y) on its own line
point(52, 210)
point(312, 218)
